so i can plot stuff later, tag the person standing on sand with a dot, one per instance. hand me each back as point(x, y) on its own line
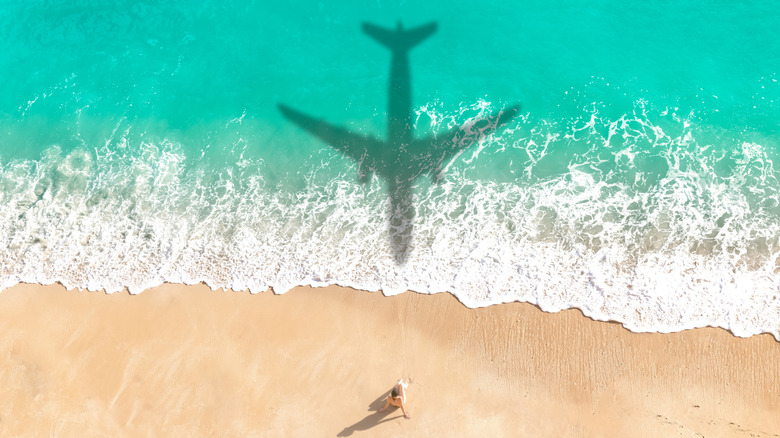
point(397, 398)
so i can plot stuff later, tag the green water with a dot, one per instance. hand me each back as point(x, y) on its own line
point(142, 142)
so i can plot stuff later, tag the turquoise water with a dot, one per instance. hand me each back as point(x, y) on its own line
point(142, 143)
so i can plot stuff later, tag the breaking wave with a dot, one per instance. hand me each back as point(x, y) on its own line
point(653, 219)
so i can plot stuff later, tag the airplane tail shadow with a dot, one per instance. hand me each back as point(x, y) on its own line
point(401, 159)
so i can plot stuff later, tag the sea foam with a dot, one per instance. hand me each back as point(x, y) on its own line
point(630, 219)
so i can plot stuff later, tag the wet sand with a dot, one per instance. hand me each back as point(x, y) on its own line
point(188, 361)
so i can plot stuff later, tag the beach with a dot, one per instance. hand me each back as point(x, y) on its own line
point(568, 214)
point(188, 361)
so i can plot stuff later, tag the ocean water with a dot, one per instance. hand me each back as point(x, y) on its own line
point(144, 142)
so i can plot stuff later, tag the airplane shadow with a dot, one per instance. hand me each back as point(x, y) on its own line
point(374, 418)
point(401, 159)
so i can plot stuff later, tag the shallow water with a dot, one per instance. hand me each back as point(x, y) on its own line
point(142, 143)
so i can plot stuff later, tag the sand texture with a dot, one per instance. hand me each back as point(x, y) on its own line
point(187, 361)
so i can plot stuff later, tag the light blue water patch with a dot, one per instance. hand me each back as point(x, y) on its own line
point(142, 142)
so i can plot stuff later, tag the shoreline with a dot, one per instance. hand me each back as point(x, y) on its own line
point(186, 360)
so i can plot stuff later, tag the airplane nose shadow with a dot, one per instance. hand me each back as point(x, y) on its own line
point(401, 159)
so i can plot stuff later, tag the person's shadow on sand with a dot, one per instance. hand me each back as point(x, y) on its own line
point(374, 418)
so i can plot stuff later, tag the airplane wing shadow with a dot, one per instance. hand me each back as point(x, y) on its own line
point(399, 170)
point(400, 160)
point(445, 147)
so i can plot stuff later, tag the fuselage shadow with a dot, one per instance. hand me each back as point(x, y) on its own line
point(401, 159)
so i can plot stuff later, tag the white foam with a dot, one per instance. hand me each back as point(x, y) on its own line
point(694, 251)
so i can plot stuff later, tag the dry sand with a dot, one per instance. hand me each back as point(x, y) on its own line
point(188, 361)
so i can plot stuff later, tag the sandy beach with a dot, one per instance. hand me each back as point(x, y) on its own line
point(188, 361)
